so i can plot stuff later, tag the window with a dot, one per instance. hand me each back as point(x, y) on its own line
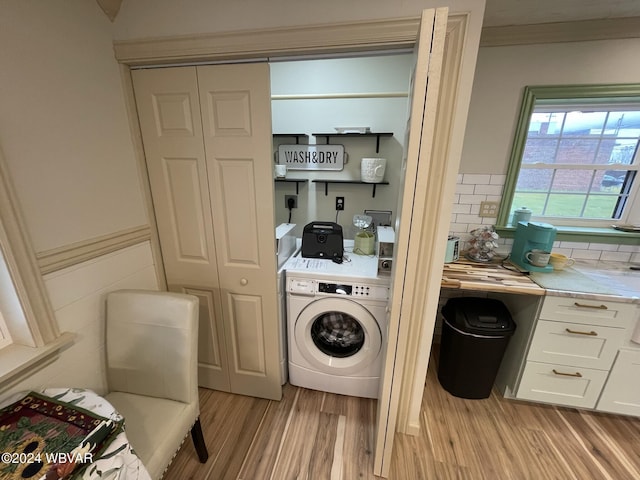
point(575, 156)
point(29, 330)
point(5, 336)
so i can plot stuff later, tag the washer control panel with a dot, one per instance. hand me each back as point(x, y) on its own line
point(313, 287)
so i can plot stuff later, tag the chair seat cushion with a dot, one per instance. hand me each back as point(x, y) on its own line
point(154, 426)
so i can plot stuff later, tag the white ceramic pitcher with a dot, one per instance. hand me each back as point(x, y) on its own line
point(372, 169)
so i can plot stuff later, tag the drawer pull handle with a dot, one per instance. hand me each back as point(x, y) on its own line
point(576, 332)
point(577, 374)
point(597, 307)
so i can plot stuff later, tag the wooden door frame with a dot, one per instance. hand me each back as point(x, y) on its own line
point(414, 339)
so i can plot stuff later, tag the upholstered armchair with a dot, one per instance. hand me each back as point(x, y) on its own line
point(151, 351)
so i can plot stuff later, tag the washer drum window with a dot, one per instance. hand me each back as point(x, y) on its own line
point(337, 334)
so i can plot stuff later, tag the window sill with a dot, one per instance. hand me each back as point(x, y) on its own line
point(584, 234)
point(18, 361)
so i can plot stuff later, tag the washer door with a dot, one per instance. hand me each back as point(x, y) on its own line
point(338, 336)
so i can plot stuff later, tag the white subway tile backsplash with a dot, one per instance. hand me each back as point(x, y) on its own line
point(605, 247)
point(465, 189)
point(498, 179)
point(473, 199)
point(468, 219)
point(471, 189)
point(616, 256)
point(573, 245)
point(462, 208)
point(459, 227)
point(585, 254)
point(477, 179)
point(488, 189)
point(629, 248)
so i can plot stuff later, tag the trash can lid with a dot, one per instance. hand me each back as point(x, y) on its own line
point(483, 316)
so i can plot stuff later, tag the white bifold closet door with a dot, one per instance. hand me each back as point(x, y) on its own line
point(207, 137)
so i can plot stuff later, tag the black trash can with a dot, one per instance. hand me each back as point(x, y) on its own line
point(475, 335)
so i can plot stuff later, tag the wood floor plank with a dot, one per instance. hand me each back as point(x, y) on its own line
point(263, 452)
point(239, 436)
point(360, 418)
point(493, 439)
point(620, 427)
point(297, 445)
point(322, 453)
point(228, 424)
point(603, 453)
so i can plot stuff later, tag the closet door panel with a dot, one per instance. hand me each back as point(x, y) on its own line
point(236, 115)
point(212, 355)
point(237, 197)
point(169, 111)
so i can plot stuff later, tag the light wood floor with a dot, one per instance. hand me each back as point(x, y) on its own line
point(316, 435)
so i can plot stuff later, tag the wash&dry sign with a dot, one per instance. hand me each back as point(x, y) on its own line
point(311, 157)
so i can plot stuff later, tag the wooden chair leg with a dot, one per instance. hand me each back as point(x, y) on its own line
point(198, 441)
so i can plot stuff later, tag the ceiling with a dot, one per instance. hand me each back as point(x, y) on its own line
point(523, 12)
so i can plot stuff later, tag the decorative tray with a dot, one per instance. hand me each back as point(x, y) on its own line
point(353, 129)
point(627, 228)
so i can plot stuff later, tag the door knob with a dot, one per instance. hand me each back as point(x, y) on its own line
point(244, 281)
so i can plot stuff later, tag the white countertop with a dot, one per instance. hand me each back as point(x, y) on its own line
point(614, 280)
point(354, 266)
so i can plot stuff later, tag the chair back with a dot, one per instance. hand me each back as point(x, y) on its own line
point(151, 344)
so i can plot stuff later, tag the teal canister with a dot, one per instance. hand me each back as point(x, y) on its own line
point(522, 214)
point(453, 246)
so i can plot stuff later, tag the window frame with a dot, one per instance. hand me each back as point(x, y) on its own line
point(35, 336)
point(617, 93)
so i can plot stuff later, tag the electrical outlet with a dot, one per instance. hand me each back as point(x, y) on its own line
point(489, 209)
point(291, 198)
point(339, 203)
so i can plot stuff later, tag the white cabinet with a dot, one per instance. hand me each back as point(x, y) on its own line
point(572, 351)
point(587, 312)
point(622, 391)
point(588, 346)
point(561, 384)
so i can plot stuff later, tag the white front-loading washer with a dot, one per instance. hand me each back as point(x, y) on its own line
point(286, 246)
point(337, 326)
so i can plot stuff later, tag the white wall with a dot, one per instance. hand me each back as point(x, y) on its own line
point(154, 18)
point(67, 144)
point(375, 76)
point(65, 134)
point(501, 75)
point(503, 72)
point(63, 124)
point(78, 298)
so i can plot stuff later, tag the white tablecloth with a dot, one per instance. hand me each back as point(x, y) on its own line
point(118, 461)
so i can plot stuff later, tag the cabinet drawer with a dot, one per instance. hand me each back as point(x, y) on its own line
point(574, 344)
point(590, 312)
point(621, 394)
point(562, 385)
